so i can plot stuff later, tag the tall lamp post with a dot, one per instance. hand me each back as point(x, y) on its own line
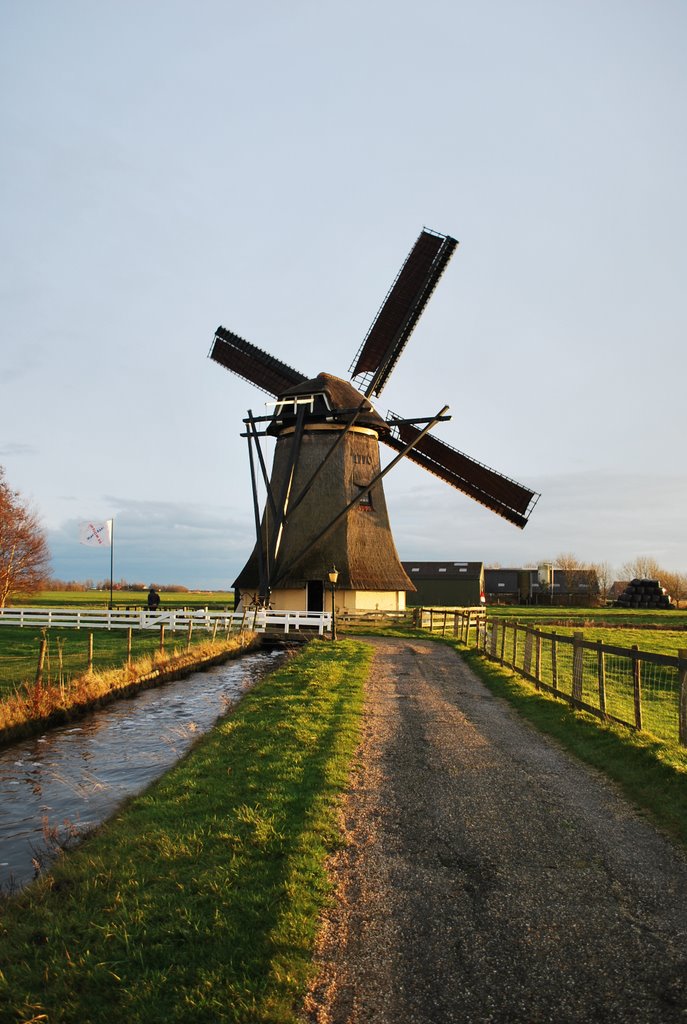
point(333, 577)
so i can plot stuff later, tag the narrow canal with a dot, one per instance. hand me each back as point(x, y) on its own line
point(72, 778)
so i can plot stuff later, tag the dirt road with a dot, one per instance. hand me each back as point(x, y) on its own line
point(489, 877)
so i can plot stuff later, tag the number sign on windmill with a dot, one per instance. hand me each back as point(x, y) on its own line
point(325, 501)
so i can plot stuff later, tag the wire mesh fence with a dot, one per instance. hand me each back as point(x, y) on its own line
point(636, 688)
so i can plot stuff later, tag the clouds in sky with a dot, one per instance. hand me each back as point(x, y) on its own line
point(268, 167)
point(194, 545)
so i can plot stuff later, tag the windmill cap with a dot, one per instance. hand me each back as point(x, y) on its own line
point(340, 395)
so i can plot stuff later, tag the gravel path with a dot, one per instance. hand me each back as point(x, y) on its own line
point(489, 876)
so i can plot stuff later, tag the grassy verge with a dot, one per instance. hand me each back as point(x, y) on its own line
point(651, 773)
point(32, 707)
point(67, 651)
point(200, 900)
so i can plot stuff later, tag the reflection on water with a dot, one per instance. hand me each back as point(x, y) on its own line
point(72, 778)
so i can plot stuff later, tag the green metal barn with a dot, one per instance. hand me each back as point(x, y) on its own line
point(446, 584)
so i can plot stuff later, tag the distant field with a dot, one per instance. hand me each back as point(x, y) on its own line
point(19, 647)
point(658, 641)
point(67, 651)
point(127, 599)
point(540, 615)
point(659, 632)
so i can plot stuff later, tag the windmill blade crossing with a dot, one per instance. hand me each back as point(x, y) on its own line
point(401, 309)
point(253, 364)
point(506, 497)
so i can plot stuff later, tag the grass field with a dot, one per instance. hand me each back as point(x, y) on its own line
point(631, 617)
point(67, 651)
point(658, 641)
point(660, 684)
point(124, 599)
point(199, 901)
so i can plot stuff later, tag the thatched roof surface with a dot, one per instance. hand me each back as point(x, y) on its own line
point(360, 545)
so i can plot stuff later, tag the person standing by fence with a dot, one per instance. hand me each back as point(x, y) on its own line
point(153, 599)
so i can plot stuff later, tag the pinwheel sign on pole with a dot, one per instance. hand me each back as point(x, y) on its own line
point(99, 535)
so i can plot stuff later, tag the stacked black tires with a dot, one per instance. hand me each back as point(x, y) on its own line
point(644, 594)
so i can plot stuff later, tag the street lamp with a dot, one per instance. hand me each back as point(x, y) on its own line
point(333, 577)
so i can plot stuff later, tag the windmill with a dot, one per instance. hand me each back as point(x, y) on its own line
point(325, 501)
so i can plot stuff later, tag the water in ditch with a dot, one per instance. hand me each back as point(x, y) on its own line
point(59, 785)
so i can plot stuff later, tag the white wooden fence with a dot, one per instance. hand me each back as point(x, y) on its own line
point(174, 619)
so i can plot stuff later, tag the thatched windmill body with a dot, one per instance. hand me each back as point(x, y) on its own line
point(325, 499)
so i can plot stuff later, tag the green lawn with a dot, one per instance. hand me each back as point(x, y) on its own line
point(19, 648)
point(631, 617)
point(658, 641)
point(199, 901)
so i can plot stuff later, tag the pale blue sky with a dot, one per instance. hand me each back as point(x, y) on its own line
point(167, 167)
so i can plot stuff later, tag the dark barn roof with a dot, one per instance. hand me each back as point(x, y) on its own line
point(443, 570)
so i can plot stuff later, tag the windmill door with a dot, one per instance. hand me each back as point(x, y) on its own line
point(315, 596)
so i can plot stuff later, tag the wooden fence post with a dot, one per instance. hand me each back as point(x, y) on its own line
point(554, 660)
point(41, 662)
point(637, 685)
point(443, 628)
point(503, 641)
point(527, 660)
point(162, 637)
point(601, 668)
point(537, 659)
point(190, 633)
point(494, 637)
point(578, 666)
point(468, 626)
point(60, 666)
point(129, 640)
point(515, 644)
point(90, 653)
point(682, 654)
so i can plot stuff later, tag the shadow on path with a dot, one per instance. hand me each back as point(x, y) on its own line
point(490, 877)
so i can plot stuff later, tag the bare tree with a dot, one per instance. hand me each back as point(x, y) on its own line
point(570, 566)
point(581, 578)
point(24, 556)
point(676, 585)
point(643, 567)
point(604, 577)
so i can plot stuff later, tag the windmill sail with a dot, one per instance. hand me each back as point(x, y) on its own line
point(499, 493)
point(251, 363)
point(401, 309)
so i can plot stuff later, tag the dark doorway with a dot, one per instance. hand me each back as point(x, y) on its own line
point(315, 596)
